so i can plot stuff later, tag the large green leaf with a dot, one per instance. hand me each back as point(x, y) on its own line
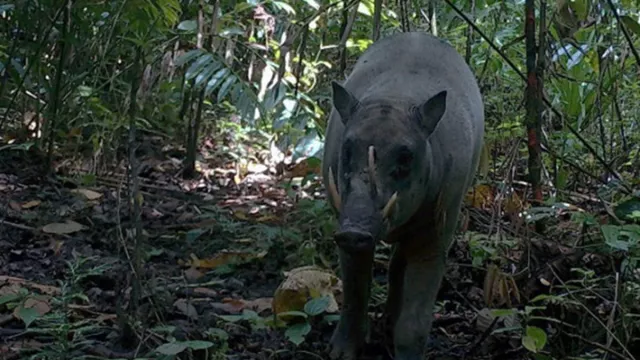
point(198, 65)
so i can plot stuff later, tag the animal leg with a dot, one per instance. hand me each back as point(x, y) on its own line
point(425, 255)
point(348, 338)
point(397, 267)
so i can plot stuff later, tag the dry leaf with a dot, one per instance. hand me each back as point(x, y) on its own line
point(513, 204)
point(31, 204)
point(15, 281)
point(484, 319)
point(303, 168)
point(67, 227)
point(301, 285)
point(192, 274)
point(15, 347)
point(205, 291)
point(56, 246)
point(223, 258)
point(89, 194)
point(39, 304)
point(11, 289)
point(186, 308)
point(14, 206)
point(480, 196)
point(261, 304)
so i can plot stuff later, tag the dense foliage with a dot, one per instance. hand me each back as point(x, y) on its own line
point(86, 82)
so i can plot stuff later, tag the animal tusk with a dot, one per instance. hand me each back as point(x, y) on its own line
point(333, 191)
point(387, 208)
point(372, 170)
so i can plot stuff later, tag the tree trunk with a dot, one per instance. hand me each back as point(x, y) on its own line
point(533, 104)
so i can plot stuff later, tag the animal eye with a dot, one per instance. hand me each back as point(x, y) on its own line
point(404, 157)
point(403, 164)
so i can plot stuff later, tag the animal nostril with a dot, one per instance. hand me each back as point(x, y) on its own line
point(354, 240)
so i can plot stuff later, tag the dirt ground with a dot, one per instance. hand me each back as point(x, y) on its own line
point(212, 247)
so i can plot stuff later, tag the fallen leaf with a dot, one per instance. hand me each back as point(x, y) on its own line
point(303, 284)
point(89, 194)
point(14, 206)
point(480, 196)
point(205, 291)
point(56, 246)
point(15, 348)
point(261, 304)
point(67, 227)
point(513, 204)
point(241, 215)
point(31, 204)
point(40, 304)
point(223, 258)
point(11, 289)
point(303, 168)
point(15, 281)
point(186, 308)
point(192, 274)
point(266, 218)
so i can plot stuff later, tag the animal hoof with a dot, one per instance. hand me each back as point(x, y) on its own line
point(341, 348)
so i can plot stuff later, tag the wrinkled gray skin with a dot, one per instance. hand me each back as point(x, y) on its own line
point(415, 100)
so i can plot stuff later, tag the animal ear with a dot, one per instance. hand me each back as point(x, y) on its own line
point(344, 101)
point(431, 111)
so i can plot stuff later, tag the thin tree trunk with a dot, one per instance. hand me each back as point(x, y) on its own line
point(533, 104)
point(194, 122)
point(57, 85)
point(377, 14)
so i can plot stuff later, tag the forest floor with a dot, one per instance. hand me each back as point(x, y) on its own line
point(214, 251)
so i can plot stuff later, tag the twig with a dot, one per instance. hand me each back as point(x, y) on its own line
point(18, 226)
point(103, 351)
point(625, 32)
point(595, 154)
point(609, 332)
point(482, 337)
point(599, 346)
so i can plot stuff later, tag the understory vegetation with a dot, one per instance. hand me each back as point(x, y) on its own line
point(161, 194)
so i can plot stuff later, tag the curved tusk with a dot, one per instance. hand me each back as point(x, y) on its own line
point(387, 208)
point(372, 169)
point(333, 191)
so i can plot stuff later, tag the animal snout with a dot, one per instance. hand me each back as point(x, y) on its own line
point(354, 240)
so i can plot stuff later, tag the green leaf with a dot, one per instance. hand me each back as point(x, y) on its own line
point(188, 25)
point(28, 315)
point(85, 91)
point(4, 299)
point(188, 56)
point(284, 6)
point(297, 332)
point(331, 318)
point(317, 306)
point(197, 66)
point(205, 74)
point(314, 4)
point(193, 235)
point(503, 312)
point(226, 86)
point(293, 313)
point(198, 344)
point(216, 80)
point(581, 7)
point(218, 333)
point(631, 24)
point(231, 318)
point(173, 348)
point(625, 209)
point(611, 237)
point(535, 339)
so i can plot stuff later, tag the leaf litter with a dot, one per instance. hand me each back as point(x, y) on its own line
point(226, 252)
